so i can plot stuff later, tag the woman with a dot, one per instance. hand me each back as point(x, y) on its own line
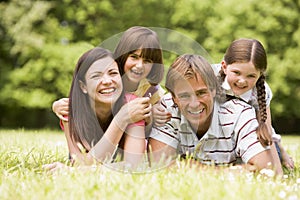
point(97, 116)
point(140, 61)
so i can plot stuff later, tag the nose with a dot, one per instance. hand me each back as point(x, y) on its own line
point(106, 79)
point(194, 102)
point(139, 63)
point(241, 81)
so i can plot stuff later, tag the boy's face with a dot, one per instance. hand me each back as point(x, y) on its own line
point(241, 77)
point(195, 101)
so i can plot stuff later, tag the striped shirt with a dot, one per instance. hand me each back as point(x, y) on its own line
point(230, 138)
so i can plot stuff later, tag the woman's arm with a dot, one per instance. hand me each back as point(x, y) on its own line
point(136, 110)
point(134, 146)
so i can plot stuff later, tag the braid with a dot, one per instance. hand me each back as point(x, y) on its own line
point(220, 93)
point(221, 76)
point(261, 99)
point(262, 130)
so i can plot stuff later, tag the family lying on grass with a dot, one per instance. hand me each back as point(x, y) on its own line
point(117, 114)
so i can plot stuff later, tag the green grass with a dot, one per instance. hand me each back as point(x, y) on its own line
point(22, 154)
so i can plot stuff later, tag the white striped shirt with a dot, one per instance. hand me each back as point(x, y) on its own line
point(230, 137)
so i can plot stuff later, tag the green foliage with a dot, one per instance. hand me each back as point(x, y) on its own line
point(21, 20)
point(42, 40)
point(215, 24)
point(44, 79)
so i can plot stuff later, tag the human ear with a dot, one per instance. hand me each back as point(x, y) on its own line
point(83, 87)
point(224, 67)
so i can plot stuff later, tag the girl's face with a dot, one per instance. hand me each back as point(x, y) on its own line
point(241, 77)
point(103, 82)
point(137, 68)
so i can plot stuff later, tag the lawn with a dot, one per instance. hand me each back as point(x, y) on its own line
point(23, 152)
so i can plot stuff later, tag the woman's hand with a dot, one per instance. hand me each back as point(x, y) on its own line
point(160, 115)
point(55, 167)
point(61, 108)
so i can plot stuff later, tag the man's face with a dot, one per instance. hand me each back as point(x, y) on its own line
point(195, 101)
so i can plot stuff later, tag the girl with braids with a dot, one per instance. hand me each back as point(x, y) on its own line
point(242, 75)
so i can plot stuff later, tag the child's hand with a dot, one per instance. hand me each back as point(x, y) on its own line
point(61, 108)
point(160, 115)
point(287, 161)
point(136, 110)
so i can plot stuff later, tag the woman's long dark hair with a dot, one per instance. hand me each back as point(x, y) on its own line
point(84, 125)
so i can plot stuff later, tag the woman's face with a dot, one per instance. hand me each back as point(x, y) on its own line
point(241, 77)
point(103, 81)
point(137, 68)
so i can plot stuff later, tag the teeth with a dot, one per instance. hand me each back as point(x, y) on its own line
point(196, 112)
point(241, 87)
point(107, 91)
point(136, 72)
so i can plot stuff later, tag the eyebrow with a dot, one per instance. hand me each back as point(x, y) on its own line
point(181, 93)
point(194, 92)
point(252, 74)
point(139, 55)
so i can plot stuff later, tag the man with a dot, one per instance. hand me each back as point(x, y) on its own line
point(203, 126)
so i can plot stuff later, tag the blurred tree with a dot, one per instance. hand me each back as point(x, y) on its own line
point(42, 60)
point(42, 40)
point(215, 24)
